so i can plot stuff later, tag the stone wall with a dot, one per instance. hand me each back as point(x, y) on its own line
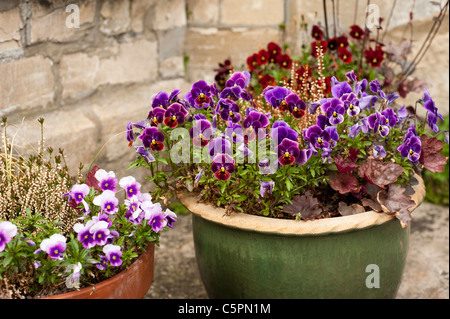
point(88, 82)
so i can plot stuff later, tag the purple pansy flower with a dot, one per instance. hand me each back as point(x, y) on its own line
point(7, 231)
point(351, 76)
point(265, 167)
point(84, 236)
point(287, 151)
point(222, 166)
point(130, 134)
point(156, 116)
point(201, 133)
point(317, 137)
point(78, 192)
point(254, 121)
point(107, 201)
point(280, 131)
point(339, 88)
point(198, 177)
point(276, 95)
point(175, 115)
point(411, 149)
point(113, 254)
point(379, 151)
point(219, 145)
point(156, 219)
point(235, 87)
point(103, 264)
point(235, 132)
point(295, 105)
point(200, 95)
point(54, 246)
point(131, 186)
point(152, 138)
point(144, 153)
point(106, 180)
point(391, 117)
point(334, 110)
point(170, 217)
point(266, 187)
point(100, 232)
point(163, 100)
point(228, 110)
point(378, 121)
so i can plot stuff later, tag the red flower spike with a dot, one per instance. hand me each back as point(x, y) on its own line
point(314, 46)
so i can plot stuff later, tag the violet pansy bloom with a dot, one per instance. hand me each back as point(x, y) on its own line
point(280, 131)
point(157, 220)
point(152, 138)
point(170, 217)
point(254, 121)
point(84, 235)
point(113, 254)
point(295, 105)
point(103, 264)
point(235, 86)
point(106, 180)
point(160, 100)
point(411, 149)
point(334, 110)
point(131, 186)
point(339, 88)
point(391, 117)
point(276, 95)
point(156, 116)
point(107, 201)
point(229, 110)
point(379, 151)
point(201, 133)
point(266, 187)
point(100, 232)
point(144, 153)
point(7, 231)
point(222, 166)
point(54, 246)
point(317, 137)
point(287, 151)
point(175, 115)
point(235, 132)
point(78, 192)
point(219, 145)
point(130, 134)
point(378, 122)
point(200, 95)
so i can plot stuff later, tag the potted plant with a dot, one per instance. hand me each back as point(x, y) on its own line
point(293, 194)
point(70, 237)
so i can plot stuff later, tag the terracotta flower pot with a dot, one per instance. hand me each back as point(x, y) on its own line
point(132, 283)
point(246, 256)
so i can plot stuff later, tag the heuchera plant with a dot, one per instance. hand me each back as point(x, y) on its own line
point(283, 156)
point(108, 237)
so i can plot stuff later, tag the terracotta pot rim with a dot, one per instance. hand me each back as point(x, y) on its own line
point(293, 227)
point(149, 250)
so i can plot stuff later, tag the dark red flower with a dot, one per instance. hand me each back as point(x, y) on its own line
point(374, 57)
point(316, 33)
point(266, 80)
point(284, 61)
point(356, 32)
point(263, 57)
point(342, 41)
point(273, 49)
point(333, 44)
point(327, 84)
point(314, 46)
point(252, 62)
point(345, 55)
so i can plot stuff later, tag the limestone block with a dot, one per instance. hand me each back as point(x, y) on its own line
point(202, 12)
point(136, 61)
point(252, 13)
point(116, 17)
point(26, 83)
point(139, 9)
point(77, 74)
point(168, 14)
point(206, 47)
point(172, 67)
point(10, 26)
point(47, 25)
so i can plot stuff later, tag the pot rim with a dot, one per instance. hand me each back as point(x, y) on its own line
point(293, 227)
point(144, 257)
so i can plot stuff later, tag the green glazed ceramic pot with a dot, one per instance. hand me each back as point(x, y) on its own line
point(247, 256)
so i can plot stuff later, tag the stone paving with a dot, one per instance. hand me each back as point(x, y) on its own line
point(426, 273)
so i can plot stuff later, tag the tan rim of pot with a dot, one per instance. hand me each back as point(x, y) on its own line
point(288, 226)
